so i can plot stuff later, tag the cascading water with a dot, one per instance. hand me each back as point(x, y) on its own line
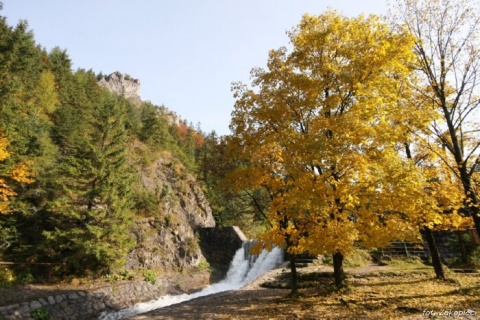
point(243, 269)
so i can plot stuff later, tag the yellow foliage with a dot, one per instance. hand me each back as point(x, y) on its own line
point(3, 148)
point(322, 133)
point(47, 95)
point(5, 193)
point(20, 173)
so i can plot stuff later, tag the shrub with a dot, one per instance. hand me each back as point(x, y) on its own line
point(191, 246)
point(7, 277)
point(359, 258)
point(149, 276)
point(124, 275)
point(203, 265)
point(40, 314)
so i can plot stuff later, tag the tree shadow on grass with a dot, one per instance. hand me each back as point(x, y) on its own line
point(322, 301)
point(389, 283)
point(273, 304)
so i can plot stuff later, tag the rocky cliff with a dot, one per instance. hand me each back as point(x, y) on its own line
point(168, 239)
point(175, 206)
point(123, 85)
point(128, 87)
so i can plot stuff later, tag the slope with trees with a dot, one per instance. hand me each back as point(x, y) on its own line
point(88, 178)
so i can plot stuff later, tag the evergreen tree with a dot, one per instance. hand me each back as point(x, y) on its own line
point(22, 65)
point(91, 216)
point(27, 99)
point(154, 129)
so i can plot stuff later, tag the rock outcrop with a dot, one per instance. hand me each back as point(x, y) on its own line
point(168, 239)
point(122, 85)
point(129, 88)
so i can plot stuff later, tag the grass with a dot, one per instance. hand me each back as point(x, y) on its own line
point(403, 290)
point(359, 258)
point(412, 262)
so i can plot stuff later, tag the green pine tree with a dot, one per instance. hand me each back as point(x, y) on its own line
point(92, 216)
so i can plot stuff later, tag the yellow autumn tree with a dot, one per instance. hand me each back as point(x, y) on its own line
point(323, 131)
point(19, 173)
point(5, 190)
point(447, 47)
point(444, 194)
point(447, 51)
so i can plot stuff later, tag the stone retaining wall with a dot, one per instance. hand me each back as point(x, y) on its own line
point(89, 304)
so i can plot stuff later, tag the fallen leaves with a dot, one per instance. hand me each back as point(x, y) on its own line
point(373, 292)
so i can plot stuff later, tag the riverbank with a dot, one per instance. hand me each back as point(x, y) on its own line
point(374, 292)
point(87, 301)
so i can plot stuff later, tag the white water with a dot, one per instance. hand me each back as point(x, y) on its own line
point(240, 273)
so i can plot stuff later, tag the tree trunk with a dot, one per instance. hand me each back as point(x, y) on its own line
point(465, 174)
point(437, 264)
point(463, 248)
point(338, 273)
point(473, 206)
point(474, 210)
point(293, 276)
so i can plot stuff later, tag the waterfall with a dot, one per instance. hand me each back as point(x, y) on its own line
point(244, 268)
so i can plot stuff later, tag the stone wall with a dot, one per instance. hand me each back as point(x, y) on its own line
point(219, 245)
point(89, 304)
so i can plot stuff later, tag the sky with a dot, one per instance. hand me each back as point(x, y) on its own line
point(186, 53)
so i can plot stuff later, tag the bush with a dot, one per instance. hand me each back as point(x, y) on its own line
point(149, 276)
point(24, 277)
point(328, 259)
point(124, 275)
point(359, 258)
point(41, 314)
point(411, 262)
point(146, 203)
point(475, 257)
point(7, 278)
point(203, 265)
point(191, 246)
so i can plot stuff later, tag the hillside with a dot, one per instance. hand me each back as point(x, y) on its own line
point(93, 180)
point(177, 203)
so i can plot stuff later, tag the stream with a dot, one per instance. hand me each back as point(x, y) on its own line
point(244, 268)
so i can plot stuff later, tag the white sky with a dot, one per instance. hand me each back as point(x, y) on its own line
point(186, 53)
